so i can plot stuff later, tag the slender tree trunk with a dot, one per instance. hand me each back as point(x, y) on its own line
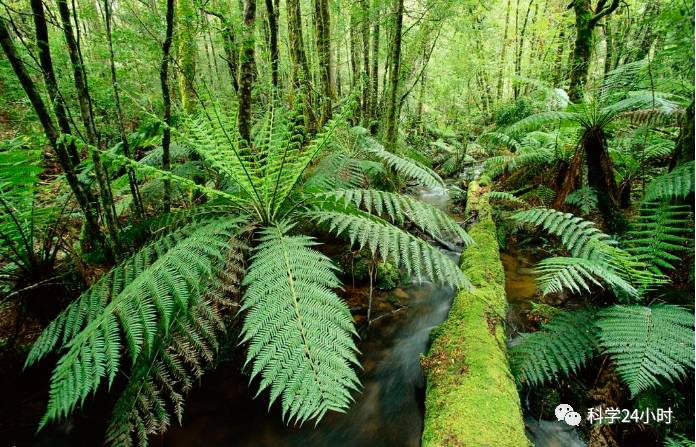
point(273, 27)
point(391, 125)
point(83, 196)
point(558, 59)
point(186, 37)
point(609, 42)
point(354, 65)
point(374, 71)
point(520, 49)
point(503, 53)
point(50, 78)
point(231, 52)
point(323, 41)
point(166, 99)
point(132, 180)
point(80, 79)
point(365, 76)
point(301, 75)
point(248, 67)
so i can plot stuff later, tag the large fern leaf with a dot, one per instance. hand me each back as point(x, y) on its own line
point(130, 305)
point(648, 344)
point(578, 275)
point(677, 184)
point(414, 255)
point(299, 331)
point(563, 345)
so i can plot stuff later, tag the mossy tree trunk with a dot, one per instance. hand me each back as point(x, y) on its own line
point(585, 22)
point(187, 52)
point(374, 70)
point(166, 99)
point(246, 74)
point(301, 76)
point(322, 22)
point(272, 12)
point(471, 397)
point(391, 120)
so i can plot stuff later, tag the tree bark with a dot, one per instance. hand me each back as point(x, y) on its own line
point(503, 53)
point(374, 71)
point(684, 150)
point(365, 76)
point(300, 68)
point(273, 27)
point(585, 22)
point(86, 112)
point(391, 125)
point(83, 195)
point(186, 38)
point(246, 74)
point(323, 41)
point(166, 99)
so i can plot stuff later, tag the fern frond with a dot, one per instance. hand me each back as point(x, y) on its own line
point(534, 122)
point(578, 275)
point(648, 344)
point(659, 231)
point(396, 207)
point(563, 345)
point(505, 197)
point(404, 166)
point(415, 256)
point(677, 184)
point(579, 236)
point(299, 331)
point(585, 199)
point(131, 305)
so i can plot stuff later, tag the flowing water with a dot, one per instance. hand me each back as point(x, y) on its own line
point(387, 412)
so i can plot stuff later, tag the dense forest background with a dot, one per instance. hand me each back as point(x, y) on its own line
point(168, 164)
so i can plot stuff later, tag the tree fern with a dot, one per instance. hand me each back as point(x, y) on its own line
point(578, 275)
point(677, 184)
point(128, 304)
point(291, 309)
point(562, 346)
point(648, 344)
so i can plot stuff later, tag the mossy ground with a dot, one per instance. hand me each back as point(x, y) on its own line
point(471, 399)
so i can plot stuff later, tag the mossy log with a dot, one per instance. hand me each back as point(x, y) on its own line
point(471, 398)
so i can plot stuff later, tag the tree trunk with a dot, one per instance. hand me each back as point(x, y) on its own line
point(323, 41)
point(83, 196)
point(520, 50)
point(568, 179)
point(301, 76)
point(273, 27)
point(186, 36)
point(132, 180)
point(391, 125)
point(600, 173)
point(231, 52)
point(558, 60)
point(583, 49)
point(503, 53)
point(365, 76)
point(80, 79)
point(166, 99)
point(374, 71)
point(246, 75)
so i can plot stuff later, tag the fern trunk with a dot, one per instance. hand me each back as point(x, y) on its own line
point(600, 171)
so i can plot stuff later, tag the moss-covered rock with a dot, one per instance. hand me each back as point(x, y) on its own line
point(471, 398)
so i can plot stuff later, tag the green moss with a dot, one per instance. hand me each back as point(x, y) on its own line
point(471, 398)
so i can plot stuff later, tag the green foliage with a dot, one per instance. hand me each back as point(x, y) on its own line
point(578, 275)
point(506, 197)
point(585, 199)
point(677, 184)
point(658, 232)
point(290, 310)
point(127, 307)
point(648, 344)
point(678, 440)
point(562, 346)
